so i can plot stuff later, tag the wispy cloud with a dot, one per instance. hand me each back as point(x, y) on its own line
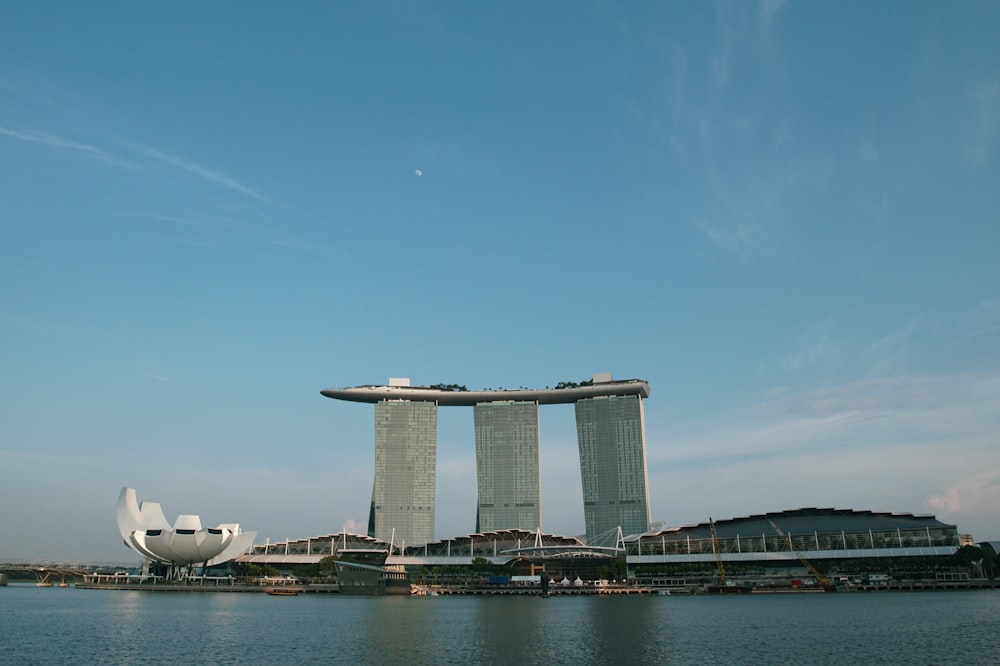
point(53, 141)
point(907, 443)
point(981, 320)
point(300, 245)
point(984, 122)
point(824, 348)
point(974, 495)
point(50, 328)
point(817, 349)
point(200, 171)
point(733, 147)
point(742, 239)
point(890, 353)
point(768, 10)
point(675, 76)
point(354, 526)
point(948, 501)
point(737, 26)
point(201, 220)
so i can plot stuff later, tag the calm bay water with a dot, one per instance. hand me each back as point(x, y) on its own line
point(70, 626)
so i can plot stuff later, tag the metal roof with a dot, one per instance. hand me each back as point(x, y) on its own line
point(808, 519)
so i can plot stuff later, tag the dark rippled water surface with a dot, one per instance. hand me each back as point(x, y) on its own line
point(70, 626)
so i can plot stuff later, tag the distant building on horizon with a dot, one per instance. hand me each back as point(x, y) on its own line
point(610, 434)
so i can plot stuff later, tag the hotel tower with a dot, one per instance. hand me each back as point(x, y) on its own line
point(610, 433)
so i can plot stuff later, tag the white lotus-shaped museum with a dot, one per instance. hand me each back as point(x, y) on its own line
point(185, 543)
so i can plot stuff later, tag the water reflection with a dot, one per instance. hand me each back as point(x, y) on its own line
point(86, 627)
point(517, 629)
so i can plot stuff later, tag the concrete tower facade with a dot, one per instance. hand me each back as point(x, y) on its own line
point(507, 468)
point(610, 432)
point(403, 494)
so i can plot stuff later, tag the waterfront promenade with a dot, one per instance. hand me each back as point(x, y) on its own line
point(294, 586)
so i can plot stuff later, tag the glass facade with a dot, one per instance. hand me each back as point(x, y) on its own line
point(611, 436)
point(507, 468)
point(405, 472)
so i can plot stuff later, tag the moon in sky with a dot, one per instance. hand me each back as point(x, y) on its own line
point(419, 172)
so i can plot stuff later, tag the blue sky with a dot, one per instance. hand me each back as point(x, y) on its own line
point(783, 215)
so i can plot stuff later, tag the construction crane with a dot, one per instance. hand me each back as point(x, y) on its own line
point(820, 578)
point(718, 554)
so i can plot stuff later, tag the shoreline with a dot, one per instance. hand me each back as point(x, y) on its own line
point(295, 589)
